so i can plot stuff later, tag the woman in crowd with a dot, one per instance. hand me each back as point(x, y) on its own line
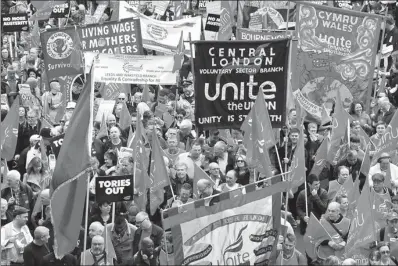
point(37, 175)
point(109, 166)
point(102, 213)
point(242, 170)
point(358, 113)
point(385, 254)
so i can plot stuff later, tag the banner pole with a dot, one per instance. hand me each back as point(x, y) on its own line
point(164, 236)
point(287, 18)
point(16, 45)
point(11, 48)
point(113, 213)
point(306, 200)
point(86, 218)
point(279, 162)
point(378, 65)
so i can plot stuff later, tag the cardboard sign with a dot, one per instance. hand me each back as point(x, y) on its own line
point(56, 144)
point(14, 22)
point(114, 188)
point(60, 11)
point(213, 22)
point(105, 108)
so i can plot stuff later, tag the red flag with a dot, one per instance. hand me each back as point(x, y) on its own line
point(103, 131)
point(340, 120)
point(362, 229)
point(344, 147)
point(365, 166)
point(199, 174)
point(125, 118)
point(298, 164)
point(131, 135)
point(76, 58)
point(314, 236)
point(159, 178)
point(389, 140)
point(320, 161)
point(141, 182)
point(139, 134)
point(145, 94)
point(9, 131)
point(247, 138)
point(226, 22)
point(69, 183)
point(262, 135)
point(179, 54)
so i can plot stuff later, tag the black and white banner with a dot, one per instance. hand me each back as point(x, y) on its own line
point(228, 76)
point(14, 22)
point(114, 188)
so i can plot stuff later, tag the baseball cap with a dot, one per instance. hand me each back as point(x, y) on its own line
point(392, 216)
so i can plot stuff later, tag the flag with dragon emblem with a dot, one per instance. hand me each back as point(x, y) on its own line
point(243, 230)
point(336, 52)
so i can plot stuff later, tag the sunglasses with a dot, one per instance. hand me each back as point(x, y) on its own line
point(240, 161)
point(121, 98)
point(179, 117)
point(385, 252)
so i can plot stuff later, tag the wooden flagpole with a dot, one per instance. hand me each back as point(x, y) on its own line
point(86, 217)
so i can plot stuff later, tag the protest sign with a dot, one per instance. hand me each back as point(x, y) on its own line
point(228, 76)
point(251, 35)
point(14, 22)
point(26, 95)
point(160, 7)
point(213, 22)
point(336, 51)
point(60, 11)
point(131, 69)
point(267, 14)
point(114, 188)
point(164, 36)
point(105, 108)
point(115, 37)
point(56, 144)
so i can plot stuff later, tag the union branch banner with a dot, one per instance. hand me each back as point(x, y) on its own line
point(252, 35)
point(117, 37)
point(236, 231)
point(135, 69)
point(228, 76)
point(336, 50)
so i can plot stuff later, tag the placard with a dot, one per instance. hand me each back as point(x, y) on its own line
point(228, 76)
point(253, 35)
point(26, 95)
point(130, 69)
point(14, 22)
point(60, 11)
point(161, 7)
point(213, 22)
point(56, 144)
point(124, 152)
point(105, 108)
point(114, 188)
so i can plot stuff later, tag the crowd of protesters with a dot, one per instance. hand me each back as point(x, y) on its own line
point(27, 236)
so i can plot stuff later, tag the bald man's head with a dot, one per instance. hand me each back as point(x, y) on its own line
point(205, 187)
point(333, 211)
point(147, 246)
point(97, 245)
point(13, 178)
point(41, 235)
point(95, 229)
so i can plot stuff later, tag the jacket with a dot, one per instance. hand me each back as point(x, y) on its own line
point(156, 236)
point(67, 260)
point(123, 246)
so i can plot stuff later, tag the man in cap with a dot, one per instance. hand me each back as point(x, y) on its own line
point(17, 193)
point(186, 134)
point(15, 236)
point(95, 229)
point(34, 142)
point(385, 167)
point(70, 107)
point(389, 233)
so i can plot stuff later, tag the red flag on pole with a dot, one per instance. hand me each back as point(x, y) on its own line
point(103, 131)
point(159, 178)
point(141, 181)
point(125, 118)
point(314, 236)
point(199, 174)
point(362, 230)
point(340, 120)
point(69, 182)
point(262, 136)
point(9, 131)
